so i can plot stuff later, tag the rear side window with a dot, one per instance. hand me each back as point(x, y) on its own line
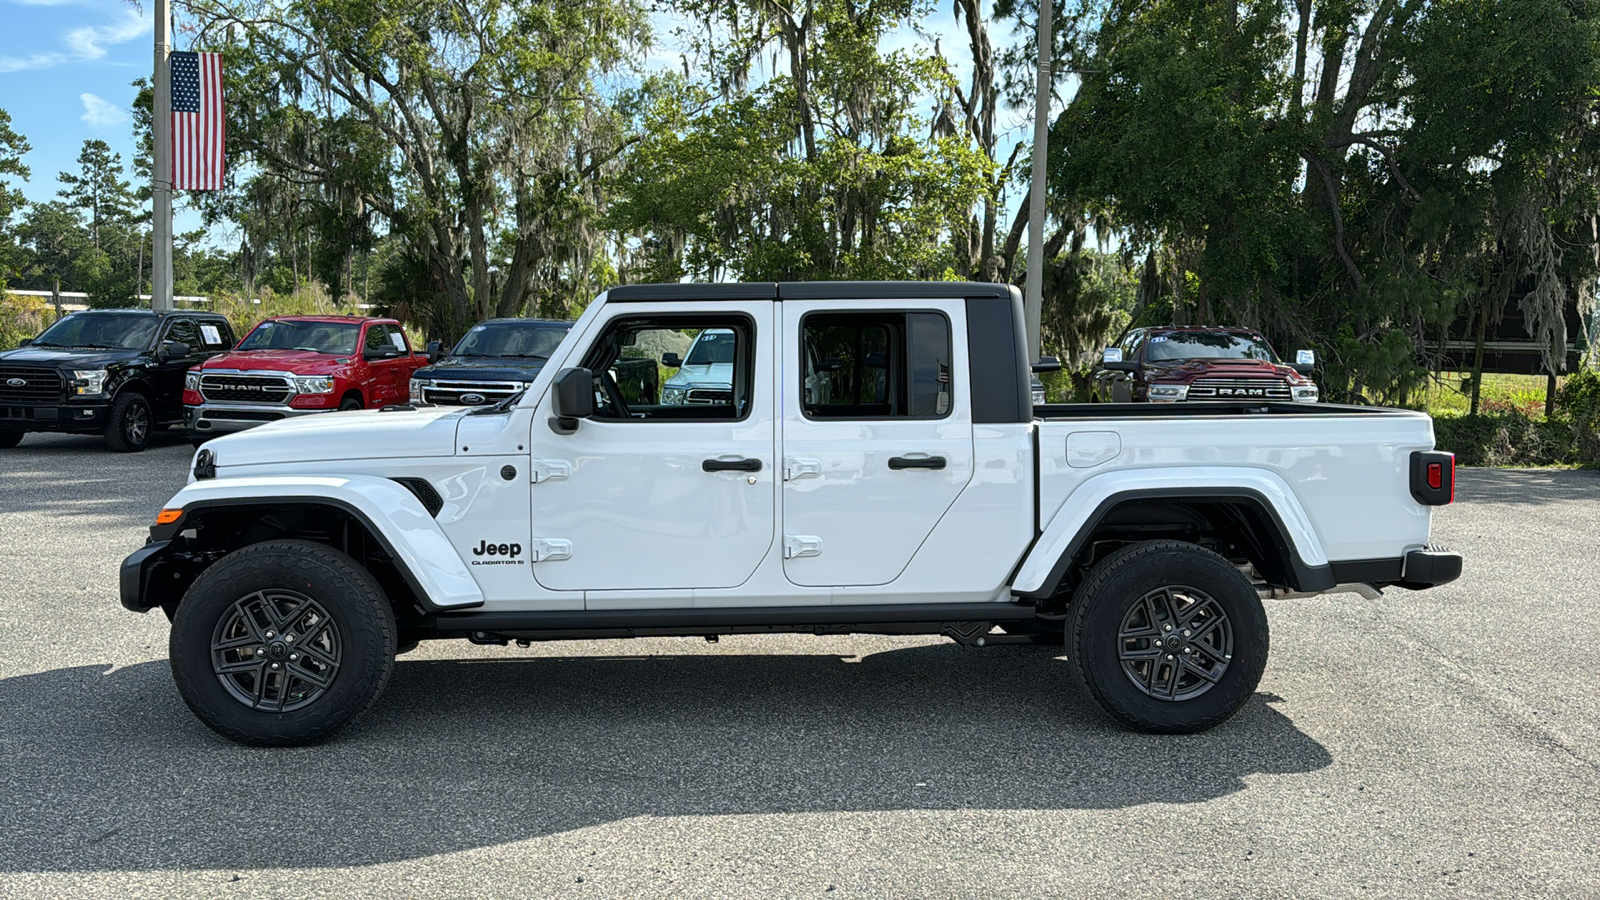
point(876, 365)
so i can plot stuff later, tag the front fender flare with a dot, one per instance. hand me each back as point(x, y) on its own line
point(1045, 566)
point(422, 553)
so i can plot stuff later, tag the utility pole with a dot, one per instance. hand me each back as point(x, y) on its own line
point(1033, 295)
point(161, 166)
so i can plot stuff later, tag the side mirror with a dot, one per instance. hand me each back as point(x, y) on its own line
point(671, 360)
point(1112, 359)
point(24, 342)
point(1052, 364)
point(573, 399)
point(435, 351)
point(382, 351)
point(830, 364)
point(174, 350)
point(1304, 361)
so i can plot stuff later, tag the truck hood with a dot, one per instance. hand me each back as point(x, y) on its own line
point(66, 357)
point(699, 376)
point(484, 368)
point(1185, 370)
point(357, 434)
point(297, 362)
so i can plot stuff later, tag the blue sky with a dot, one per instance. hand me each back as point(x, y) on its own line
point(65, 73)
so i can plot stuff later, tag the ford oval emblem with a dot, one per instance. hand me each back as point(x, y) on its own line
point(472, 399)
point(17, 382)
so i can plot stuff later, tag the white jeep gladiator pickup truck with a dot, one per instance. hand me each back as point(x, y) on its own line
point(876, 467)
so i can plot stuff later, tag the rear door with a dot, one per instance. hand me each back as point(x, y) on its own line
point(877, 434)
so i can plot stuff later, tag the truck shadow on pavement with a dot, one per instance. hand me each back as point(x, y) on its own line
point(106, 770)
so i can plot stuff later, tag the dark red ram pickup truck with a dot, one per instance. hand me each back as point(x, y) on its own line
point(1174, 364)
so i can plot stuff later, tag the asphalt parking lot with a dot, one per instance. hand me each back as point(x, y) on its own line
point(1441, 743)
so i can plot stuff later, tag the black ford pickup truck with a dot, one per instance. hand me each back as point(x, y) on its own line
point(115, 372)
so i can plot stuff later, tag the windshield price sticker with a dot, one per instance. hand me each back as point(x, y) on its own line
point(1158, 339)
point(210, 333)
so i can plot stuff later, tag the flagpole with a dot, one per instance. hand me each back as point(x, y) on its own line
point(161, 166)
point(1033, 299)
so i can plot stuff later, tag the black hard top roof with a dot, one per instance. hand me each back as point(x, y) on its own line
point(516, 320)
point(810, 290)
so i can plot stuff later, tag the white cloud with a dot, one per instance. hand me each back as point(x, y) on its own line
point(98, 113)
point(84, 44)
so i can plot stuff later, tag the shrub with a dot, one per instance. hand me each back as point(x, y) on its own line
point(1579, 404)
point(22, 317)
point(1506, 438)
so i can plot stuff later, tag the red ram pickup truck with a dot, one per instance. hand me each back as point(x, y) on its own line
point(1174, 364)
point(294, 365)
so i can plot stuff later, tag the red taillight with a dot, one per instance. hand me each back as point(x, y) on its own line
point(1433, 477)
point(1436, 476)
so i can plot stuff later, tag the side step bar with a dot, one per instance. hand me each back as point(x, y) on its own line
point(711, 618)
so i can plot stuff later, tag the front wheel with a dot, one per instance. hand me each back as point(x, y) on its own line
point(282, 643)
point(129, 423)
point(1168, 637)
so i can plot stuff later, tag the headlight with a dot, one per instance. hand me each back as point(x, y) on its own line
point(1305, 393)
point(1038, 398)
point(88, 382)
point(673, 396)
point(313, 384)
point(1168, 393)
point(191, 381)
point(417, 386)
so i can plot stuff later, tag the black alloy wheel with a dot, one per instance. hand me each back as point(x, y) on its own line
point(276, 650)
point(1168, 637)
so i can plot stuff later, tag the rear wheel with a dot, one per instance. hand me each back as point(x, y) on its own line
point(282, 643)
point(10, 438)
point(129, 423)
point(1168, 637)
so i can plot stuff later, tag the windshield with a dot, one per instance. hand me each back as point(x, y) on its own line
point(101, 331)
point(714, 346)
point(1206, 345)
point(318, 337)
point(512, 339)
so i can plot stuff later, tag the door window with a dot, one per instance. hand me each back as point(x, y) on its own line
point(188, 332)
point(682, 368)
point(876, 365)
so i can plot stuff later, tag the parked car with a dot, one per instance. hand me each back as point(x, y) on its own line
point(875, 467)
point(114, 372)
point(1172, 364)
point(297, 365)
point(704, 373)
point(493, 361)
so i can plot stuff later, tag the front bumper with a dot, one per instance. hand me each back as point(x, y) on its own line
point(88, 417)
point(137, 570)
point(222, 418)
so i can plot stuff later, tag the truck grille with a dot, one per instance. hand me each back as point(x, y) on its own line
point(246, 388)
point(24, 384)
point(710, 396)
point(1239, 389)
point(449, 393)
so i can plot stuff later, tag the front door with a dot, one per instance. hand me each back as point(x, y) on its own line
point(877, 435)
point(658, 491)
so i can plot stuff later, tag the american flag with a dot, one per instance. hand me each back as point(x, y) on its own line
point(197, 121)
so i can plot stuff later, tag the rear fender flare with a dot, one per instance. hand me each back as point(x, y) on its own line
point(1046, 564)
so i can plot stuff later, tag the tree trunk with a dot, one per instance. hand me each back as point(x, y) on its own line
point(1477, 359)
point(1549, 394)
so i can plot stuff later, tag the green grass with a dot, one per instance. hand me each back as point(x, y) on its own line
point(1500, 393)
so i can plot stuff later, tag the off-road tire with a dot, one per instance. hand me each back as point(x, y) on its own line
point(351, 401)
point(359, 612)
point(129, 423)
point(10, 437)
point(1102, 605)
